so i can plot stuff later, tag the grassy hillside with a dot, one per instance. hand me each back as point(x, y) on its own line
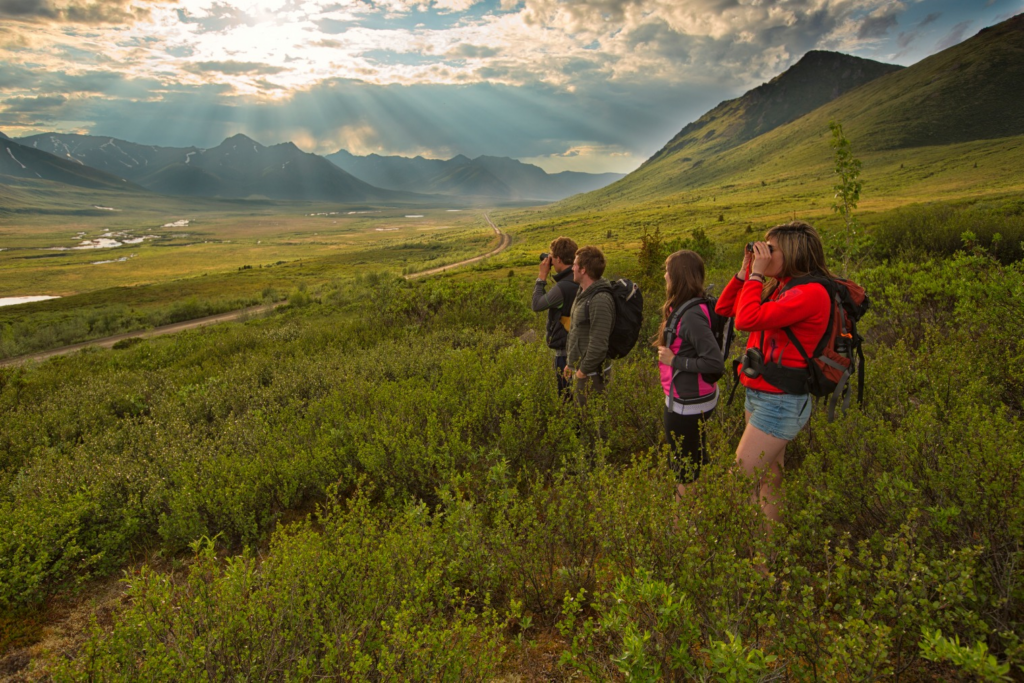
point(819, 77)
point(949, 109)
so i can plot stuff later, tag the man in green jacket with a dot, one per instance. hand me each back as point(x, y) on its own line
point(592, 320)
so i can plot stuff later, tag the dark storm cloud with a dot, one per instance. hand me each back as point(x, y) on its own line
point(27, 8)
point(235, 68)
point(33, 104)
point(658, 37)
point(109, 12)
point(12, 77)
point(220, 17)
point(876, 27)
point(473, 51)
point(955, 35)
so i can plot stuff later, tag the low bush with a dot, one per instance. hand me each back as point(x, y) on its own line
point(939, 230)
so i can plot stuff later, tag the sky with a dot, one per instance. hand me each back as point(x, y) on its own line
point(582, 85)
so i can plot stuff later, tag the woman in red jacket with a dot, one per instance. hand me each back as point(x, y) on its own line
point(773, 370)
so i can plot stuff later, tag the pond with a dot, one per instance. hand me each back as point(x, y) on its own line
point(15, 300)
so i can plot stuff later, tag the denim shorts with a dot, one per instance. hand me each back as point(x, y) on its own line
point(778, 415)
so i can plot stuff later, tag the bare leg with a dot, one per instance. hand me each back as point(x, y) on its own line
point(758, 450)
point(771, 487)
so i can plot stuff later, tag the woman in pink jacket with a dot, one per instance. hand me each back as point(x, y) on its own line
point(690, 362)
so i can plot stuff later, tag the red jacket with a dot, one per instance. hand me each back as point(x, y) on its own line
point(804, 309)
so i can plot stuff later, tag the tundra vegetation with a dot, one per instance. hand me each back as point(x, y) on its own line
point(380, 483)
point(221, 257)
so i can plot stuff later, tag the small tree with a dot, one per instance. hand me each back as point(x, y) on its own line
point(847, 188)
point(652, 254)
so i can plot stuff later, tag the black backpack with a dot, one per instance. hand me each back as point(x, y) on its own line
point(629, 316)
point(721, 326)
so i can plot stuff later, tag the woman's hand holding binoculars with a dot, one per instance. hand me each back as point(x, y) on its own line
point(756, 258)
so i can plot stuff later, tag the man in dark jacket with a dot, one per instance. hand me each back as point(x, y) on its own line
point(557, 302)
point(593, 317)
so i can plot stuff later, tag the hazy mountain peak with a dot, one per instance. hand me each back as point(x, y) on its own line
point(240, 138)
point(461, 159)
point(3, 137)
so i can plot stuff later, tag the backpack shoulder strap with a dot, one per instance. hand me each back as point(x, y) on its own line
point(812, 278)
point(672, 324)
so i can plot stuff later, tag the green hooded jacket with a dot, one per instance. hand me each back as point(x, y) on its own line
point(591, 323)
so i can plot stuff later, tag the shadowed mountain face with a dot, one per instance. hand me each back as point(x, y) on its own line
point(967, 93)
point(499, 177)
point(20, 161)
point(239, 167)
point(817, 79)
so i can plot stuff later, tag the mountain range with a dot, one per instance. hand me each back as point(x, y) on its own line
point(460, 175)
point(22, 162)
point(241, 167)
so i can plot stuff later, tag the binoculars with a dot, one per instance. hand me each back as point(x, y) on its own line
point(752, 363)
point(750, 247)
point(544, 256)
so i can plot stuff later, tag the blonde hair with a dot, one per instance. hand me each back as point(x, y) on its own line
point(802, 251)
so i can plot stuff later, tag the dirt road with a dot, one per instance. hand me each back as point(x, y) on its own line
point(503, 244)
point(108, 342)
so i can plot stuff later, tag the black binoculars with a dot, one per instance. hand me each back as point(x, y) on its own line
point(544, 256)
point(753, 363)
point(750, 247)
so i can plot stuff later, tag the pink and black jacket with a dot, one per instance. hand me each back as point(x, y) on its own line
point(691, 382)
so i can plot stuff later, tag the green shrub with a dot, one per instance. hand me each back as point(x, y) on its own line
point(366, 598)
point(938, 230)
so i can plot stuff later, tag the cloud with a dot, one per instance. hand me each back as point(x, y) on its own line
point(455, 5)
point(905, 39)
point(955, 35)
point(472, 51)
point(876, 26)
point(103, 12)
point(217, 17)
point(234, 68)
point(33, 104)
point(930, 19)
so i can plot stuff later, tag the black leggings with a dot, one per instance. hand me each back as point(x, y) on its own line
point(687, 440)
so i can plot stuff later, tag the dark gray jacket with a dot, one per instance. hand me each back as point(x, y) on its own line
point(593, 317)
point(698, 364)
point(558, 303)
